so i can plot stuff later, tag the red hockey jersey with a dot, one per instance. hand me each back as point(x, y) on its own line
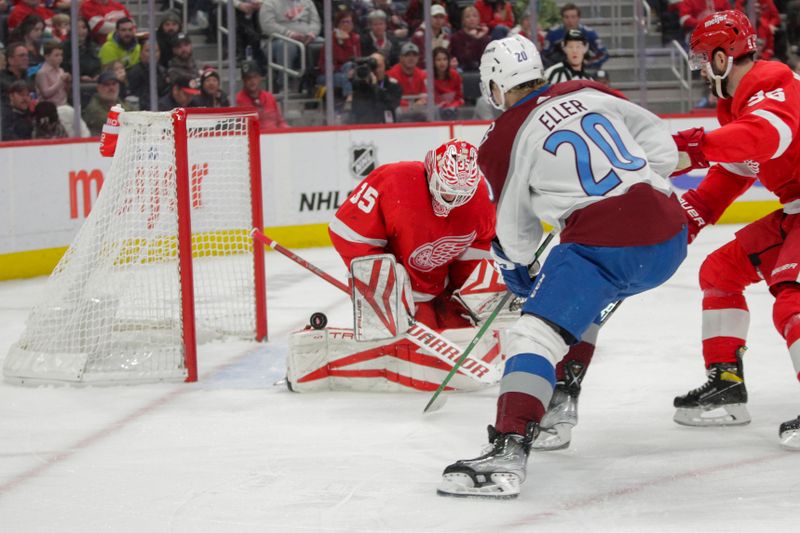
point(758, 138)
point(98, 14)
point(390, 211)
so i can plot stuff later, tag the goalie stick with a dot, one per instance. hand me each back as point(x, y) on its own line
point(438, 400)
point(426, 338)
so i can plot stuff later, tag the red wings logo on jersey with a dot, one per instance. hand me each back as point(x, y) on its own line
point(439, 252)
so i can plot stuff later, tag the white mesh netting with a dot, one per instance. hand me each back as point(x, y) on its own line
point(112, 310)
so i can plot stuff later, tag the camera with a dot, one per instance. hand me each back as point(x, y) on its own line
point(364, 67)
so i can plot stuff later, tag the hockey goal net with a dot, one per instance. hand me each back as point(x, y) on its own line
point(165, 258)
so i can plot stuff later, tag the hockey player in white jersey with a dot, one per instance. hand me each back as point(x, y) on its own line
point(583, 159)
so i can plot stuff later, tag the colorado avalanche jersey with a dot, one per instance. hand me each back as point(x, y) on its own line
point(758, 138)
point(390, 211)
point(586, 161)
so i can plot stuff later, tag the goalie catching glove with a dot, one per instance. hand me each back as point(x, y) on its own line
point(690, 156)
point(518, 277)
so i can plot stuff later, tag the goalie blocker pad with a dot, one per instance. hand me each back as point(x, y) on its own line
point(332, 359)
point(380, 292)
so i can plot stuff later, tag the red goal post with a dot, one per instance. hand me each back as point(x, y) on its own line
point(166, 258)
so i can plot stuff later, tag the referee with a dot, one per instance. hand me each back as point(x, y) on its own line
point(575, 46)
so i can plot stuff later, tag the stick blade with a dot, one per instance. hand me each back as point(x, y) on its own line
point(435, 403)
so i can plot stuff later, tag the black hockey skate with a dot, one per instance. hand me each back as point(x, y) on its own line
point(789, 433)
point(498, 473)
point(721, 401)
point(562, 413)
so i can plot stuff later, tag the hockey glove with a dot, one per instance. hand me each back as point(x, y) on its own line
point(516, 276)
point(696, 212)
point(690, 156)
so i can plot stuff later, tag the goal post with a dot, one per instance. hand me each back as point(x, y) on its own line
point(166, 258)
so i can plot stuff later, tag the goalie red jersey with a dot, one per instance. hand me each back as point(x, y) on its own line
point(394, 210)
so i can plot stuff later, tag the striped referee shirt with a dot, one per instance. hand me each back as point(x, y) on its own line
point(563, 72)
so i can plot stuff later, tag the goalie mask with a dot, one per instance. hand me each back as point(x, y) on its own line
point(507, 63)
point(453, 175)
point(727, 31)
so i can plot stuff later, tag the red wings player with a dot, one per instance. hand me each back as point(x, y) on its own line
point(435, 217)
point(759, 113)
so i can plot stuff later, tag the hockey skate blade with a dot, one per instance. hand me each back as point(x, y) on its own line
point(791, 440)
point(551, 439)
point(502, 486)
point(735, 414)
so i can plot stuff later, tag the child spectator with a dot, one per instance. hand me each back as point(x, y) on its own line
point(118, 68)
point(52, 83)
point(524, 29)
point(88, 59)
point(210, 93)
point(182, 62)
point(121, 45)
point(468, 43)
point(447, 85)
point(377, 39)
point(17, 116)
point(60, 29)
point(395, 24)
point(440, 33)
point(25, 8)
point(252, 95)
point(497, 15)
point(46, 124)
point(107, 95)
point(412, 79)
point(181, 93)
point(346, 47)
point(102, 16)
point(168, 28)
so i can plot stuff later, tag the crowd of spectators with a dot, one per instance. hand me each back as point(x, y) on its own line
point(378, 50)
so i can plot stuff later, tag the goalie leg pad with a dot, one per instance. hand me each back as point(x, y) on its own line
point(381, 295)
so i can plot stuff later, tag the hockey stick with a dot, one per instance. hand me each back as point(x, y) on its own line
point(437, 401)
point(424, 337)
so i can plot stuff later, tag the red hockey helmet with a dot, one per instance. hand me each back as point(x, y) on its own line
point(729, 31)
point(453, 175)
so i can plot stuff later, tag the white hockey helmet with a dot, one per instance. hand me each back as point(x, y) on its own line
point(453, 175)
point(509, 62)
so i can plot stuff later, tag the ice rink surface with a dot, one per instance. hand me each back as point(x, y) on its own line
point(232, 453)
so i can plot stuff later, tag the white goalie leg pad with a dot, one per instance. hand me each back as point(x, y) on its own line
point(378, 295)
point(331, 359)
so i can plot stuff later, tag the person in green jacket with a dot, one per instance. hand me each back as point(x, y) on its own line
point(107, 95)
point(121, 45)
point(547, 12)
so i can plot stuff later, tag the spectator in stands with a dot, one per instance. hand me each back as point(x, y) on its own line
point(52, 83)
point(107, 95)
point(575, 47)
point(414, 15)
point(497, 15)
point(25, 8)
point(61, 25)
point(102, 16)
point(377, 39)
point(16, 68)
point(181, 93)
point(122, 77)
point(121, 45)
point(211, 94)
point(17, 115)
point(376, 96)
point(468, 43)
point(46, 124)
point(139, 77)
point(447, 85)
point(547, 12)
point(395, 24)
point(524, 29)
point(168, 28)
point(88, 59)
point(182, 62)
point(767, 23)
point(252, 95)
point(412, 80)
point(346, 48)
point(296, 19)
point(29, 33)
point(693, 11)
point(248, 32)
point(440, 33)
point(571, 20)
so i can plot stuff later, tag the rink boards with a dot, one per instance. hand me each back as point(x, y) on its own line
point(47, 188)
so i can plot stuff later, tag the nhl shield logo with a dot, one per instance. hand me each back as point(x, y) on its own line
point(362, 160)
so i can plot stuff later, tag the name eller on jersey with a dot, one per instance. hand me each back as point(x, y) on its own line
point(552, 116)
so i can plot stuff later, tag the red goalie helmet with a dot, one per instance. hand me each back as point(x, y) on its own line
point(453, 175)
point(729, 31)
